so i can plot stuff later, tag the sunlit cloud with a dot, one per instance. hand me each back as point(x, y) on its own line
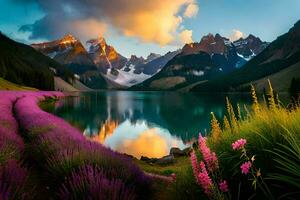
point(186, 36)
point(236, 34)
point(88, 28)
point(149, 143)
point(152, 21)
point(191, 10)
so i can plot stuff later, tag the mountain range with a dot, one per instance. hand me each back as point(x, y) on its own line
point(101, 66)
point(213, 56)
point(214, 64)
point(279, 62)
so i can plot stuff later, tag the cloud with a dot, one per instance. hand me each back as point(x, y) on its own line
point(191, 10)
point(153, 21)
point(88, 28)
point(186, 36)
point(235, 35)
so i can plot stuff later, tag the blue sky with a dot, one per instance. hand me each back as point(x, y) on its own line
point(264, 18)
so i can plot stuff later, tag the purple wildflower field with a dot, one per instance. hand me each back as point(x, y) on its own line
point(72, 164)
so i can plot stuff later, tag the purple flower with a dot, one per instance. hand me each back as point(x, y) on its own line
point(12, 181)
point(92, 183)
point(62, 150)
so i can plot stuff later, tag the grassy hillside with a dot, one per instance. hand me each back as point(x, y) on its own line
point(6, 85)
point(181, 71)
point(281, 80)
point(21, 64)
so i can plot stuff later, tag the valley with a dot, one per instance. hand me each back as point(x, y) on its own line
point(149, 100)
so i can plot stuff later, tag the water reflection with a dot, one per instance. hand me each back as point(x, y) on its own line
point(143, 123)
point(140, 139)
point(105, 130)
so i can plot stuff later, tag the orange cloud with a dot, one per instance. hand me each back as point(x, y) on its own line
point(191, 10)
point(88, 28)
point(149, 143)
point(151, 21)
point(155, 21)
point(186, 36)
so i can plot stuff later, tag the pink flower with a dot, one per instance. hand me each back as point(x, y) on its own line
point(209, 157)
point(204, 180)
point(223, 186)
point(194, 162)
point(239, 144)
point(245, 167)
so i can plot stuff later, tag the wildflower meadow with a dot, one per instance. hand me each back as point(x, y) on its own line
point(250, 153)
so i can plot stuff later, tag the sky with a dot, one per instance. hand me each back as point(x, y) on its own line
point(140, 27)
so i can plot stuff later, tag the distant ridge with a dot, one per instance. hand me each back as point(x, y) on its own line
point(282, 53)
point(213, 56)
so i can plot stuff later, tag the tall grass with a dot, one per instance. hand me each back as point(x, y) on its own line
point(273, 136)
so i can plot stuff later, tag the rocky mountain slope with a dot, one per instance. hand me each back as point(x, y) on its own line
point(105, 56)
point(70, 52)
point(280, 55)
point(102, 66)
point(204, 60)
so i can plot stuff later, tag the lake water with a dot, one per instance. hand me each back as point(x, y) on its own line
point(143, 123)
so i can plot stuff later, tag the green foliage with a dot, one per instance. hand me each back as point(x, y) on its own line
point(273, 138)
point(287, 156)
point(295, 87)
point(23, 65)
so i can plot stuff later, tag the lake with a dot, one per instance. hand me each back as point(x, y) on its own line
point(143, 123)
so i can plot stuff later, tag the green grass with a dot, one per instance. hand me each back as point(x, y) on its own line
point(6, 85)
point(273, 136)
point(180, 164)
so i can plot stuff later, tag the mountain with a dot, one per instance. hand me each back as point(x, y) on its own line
point(210, 44)
point(137, 69)
point(280, 58)
point(23, 65)
point(68, 51)
point(249, 47)
point(105, 56)
point(152, 66)
point(152, 56)
point(133, 62)
point(180, 71)
point(226, 54)
point(213, 56)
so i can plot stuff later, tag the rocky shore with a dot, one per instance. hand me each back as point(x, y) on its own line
point(168, 159)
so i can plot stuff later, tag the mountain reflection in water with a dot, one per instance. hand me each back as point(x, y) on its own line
point(143, 123)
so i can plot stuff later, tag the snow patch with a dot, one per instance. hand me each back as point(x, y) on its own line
point(127, 78)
